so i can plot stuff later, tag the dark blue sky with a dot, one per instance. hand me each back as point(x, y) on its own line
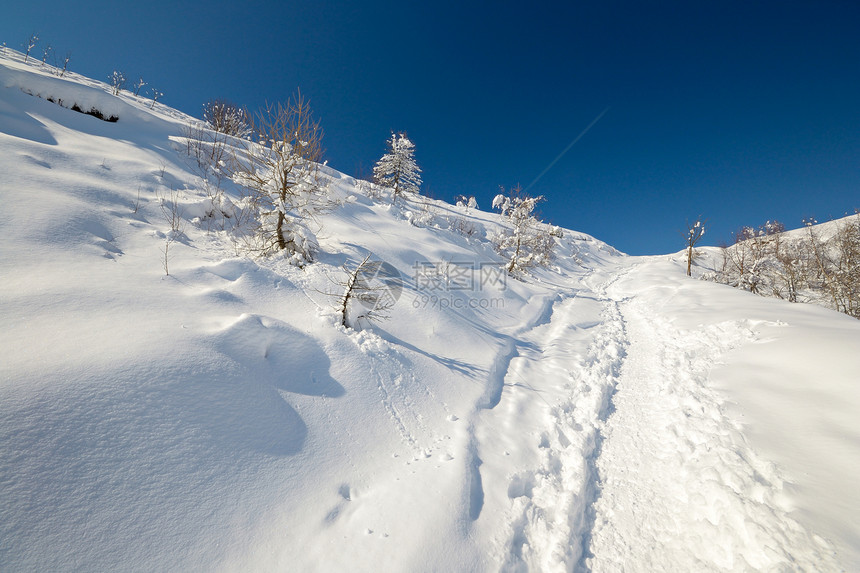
point(739, 111)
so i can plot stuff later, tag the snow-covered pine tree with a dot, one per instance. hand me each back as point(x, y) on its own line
point(397, 169)
point(530, 242)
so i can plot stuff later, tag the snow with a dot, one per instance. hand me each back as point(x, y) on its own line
point(607, 413)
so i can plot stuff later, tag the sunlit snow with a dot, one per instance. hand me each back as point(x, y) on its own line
point(606, 413)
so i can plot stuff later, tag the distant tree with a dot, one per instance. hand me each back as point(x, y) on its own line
point(281, 172)
point(46, 53)
point(227, 117)
point(65, 63)
point(530, 242)
point(117, 81)
point(772, 228)
point(466, 202)
point(695, 232)
point(32, 40)
point(834, 265)
point(397, 169)
point(155, 96)
point(813, 266)
point(138, 85)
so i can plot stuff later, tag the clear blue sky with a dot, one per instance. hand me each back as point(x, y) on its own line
point(739, 111)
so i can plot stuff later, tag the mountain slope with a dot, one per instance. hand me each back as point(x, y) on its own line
point(605, 414)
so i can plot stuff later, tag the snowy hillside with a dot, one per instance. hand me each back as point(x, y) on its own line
point(605, 414)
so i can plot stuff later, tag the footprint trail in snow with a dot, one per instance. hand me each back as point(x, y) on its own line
point(608, 451)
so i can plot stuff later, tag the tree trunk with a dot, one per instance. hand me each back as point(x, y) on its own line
point(690, 261)
point(282, 242)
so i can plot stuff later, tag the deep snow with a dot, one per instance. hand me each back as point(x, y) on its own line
point(606, 414)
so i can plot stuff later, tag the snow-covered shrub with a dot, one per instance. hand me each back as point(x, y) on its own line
point(466, 202)
point(46, 53)
point(226, 117)
point(397, 169)
point(62, 71)
point(117, 82)
point(137, 86)
point(155, 96)
point(370, 189)
point(32, 40)
point(173, 214)
point(466, 227)
point(463, 225)
point(530, 242)
point(208, 148)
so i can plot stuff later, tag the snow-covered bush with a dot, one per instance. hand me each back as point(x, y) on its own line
point(466, 227)
point(466, 202)
point(226, 117)
point(397, 169)
point(137, 86)
point(280, 172)
point(425, 215)
point(117, 82)
point(155, 96)
point(530, 242)
point(32, 40)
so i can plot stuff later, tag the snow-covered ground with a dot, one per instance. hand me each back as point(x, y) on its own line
point(607, 414)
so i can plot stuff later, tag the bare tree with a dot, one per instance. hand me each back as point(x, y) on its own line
point(695, 232)
point(171, 212)
point(155, 96)
point(32, 40)
point(65, 63)
point(46, 53)
point(209, 150)
point(281, 173)
point(789, 273)
point(809, 267)
point(117, 81)
point(138, 85)
point(367, 293)
point(845, 274)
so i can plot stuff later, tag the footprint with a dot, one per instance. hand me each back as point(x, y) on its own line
point(522, 485)
point(344, 492)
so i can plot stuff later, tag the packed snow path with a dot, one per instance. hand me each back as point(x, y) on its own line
point(607, 449)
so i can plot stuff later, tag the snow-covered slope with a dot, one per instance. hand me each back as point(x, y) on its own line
point(606, 414)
